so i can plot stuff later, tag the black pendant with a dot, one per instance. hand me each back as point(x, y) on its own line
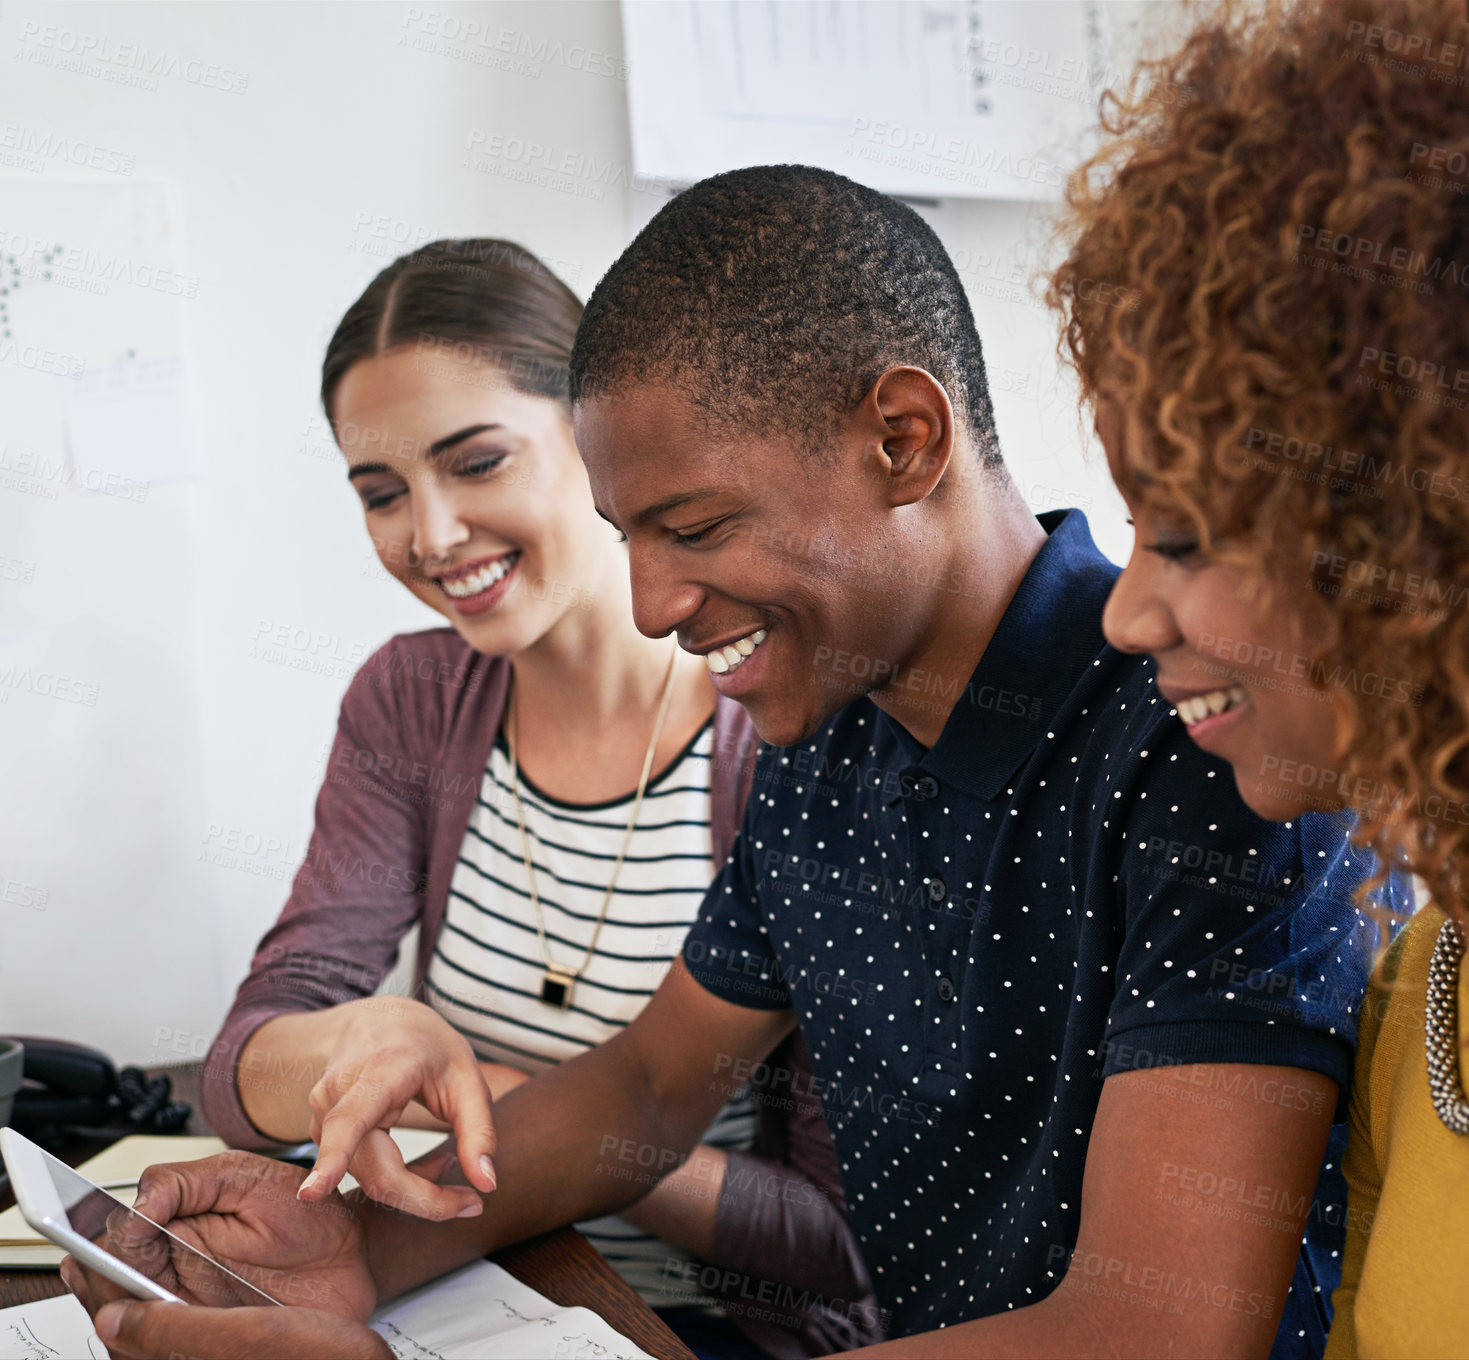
point(556, 988)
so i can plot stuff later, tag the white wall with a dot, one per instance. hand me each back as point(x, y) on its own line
point(349, 141)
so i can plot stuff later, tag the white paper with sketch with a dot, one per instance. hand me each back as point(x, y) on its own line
point(53, 1329)
point(481, 1312)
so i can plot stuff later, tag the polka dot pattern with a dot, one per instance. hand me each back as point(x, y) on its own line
point(975, 937)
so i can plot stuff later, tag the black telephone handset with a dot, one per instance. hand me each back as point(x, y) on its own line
point(70, 1087)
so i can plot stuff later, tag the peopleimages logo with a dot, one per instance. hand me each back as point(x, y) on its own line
point(39, 257)
point(1364, 253)
point(1412, 46)
point(70, 49)
point(31, 148)
point(509, 49)
point(25, 470)
point(548, 166)
point(1349, 469)
point(946, 156)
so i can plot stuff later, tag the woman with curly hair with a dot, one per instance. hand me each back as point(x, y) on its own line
point(1282, 205)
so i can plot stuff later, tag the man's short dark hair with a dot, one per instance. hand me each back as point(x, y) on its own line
point(783, 290)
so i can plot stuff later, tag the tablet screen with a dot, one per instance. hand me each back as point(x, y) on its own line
point(122, 1232)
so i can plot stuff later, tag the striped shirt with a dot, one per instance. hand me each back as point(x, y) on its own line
point(487, 967)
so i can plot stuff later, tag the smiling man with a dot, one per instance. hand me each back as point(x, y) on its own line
point(1063, 937)
point(1080, 1019)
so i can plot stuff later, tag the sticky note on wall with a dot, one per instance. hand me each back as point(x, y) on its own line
point(133, 419)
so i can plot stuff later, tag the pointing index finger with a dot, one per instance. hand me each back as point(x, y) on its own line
point(474, 1127)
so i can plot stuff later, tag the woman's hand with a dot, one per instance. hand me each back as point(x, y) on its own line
point(388, 1052)
point(500, 1078)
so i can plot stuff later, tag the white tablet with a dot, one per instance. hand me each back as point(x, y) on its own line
point(126, 1247)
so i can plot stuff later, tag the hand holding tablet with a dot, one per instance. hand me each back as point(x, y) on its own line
point(226, 1233)
point(222, 1232)
point(120, 1244)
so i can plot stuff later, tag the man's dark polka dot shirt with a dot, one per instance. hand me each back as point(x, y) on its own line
point(976, 936)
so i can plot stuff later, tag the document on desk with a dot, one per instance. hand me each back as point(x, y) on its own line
point(482, 1312)
point(53, 1329)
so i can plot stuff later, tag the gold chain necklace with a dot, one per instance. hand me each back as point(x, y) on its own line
point(558, 983)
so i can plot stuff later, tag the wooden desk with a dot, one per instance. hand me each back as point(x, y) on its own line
point(562, 1265)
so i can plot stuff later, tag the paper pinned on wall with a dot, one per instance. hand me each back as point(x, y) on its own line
point(133, 419)
point(928, 98)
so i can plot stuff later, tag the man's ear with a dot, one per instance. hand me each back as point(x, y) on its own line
point(910, 424)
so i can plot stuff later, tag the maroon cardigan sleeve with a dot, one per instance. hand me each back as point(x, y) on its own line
point(782, 1220)
point(388, 802)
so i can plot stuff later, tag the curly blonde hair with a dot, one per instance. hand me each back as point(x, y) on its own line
point(1283, 204)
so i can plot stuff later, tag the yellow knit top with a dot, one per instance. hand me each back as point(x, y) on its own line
point(1405, 1272)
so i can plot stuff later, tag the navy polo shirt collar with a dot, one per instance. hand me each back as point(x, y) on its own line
point(1049, 634)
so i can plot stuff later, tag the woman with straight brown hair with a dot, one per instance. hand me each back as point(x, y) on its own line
point(546, 794)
